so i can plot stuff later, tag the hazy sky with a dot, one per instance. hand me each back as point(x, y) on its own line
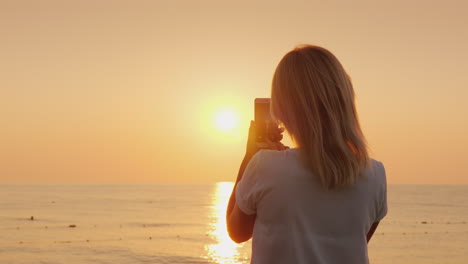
point(128, 91)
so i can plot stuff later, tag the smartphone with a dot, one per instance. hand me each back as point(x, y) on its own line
point(262, 118)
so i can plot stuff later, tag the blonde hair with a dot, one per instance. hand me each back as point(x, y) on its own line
point(312, 96)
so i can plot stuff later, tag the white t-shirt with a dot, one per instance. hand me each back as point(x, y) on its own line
point(298, 221)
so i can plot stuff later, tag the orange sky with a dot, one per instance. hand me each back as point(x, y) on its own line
point(126, 91)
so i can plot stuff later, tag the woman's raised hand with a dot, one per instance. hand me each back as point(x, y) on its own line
point(272, 141)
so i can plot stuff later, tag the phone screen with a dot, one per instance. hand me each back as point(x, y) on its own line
point(262, 117)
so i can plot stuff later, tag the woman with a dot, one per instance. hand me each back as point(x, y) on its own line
point(322, 201)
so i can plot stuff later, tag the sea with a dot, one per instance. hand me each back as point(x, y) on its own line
point(185, 223)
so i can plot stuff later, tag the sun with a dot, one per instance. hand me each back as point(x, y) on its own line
point(226, 120)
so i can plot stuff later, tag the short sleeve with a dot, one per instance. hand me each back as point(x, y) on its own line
point(248, 188)
point(382, 196)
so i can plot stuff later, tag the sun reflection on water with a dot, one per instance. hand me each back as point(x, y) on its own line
point(224, 251)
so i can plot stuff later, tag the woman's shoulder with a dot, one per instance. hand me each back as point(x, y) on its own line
point(376, 165)
point(376, 171)
point(269, 155)
point(277, 160)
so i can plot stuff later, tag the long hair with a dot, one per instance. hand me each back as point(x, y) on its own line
point(313, 97)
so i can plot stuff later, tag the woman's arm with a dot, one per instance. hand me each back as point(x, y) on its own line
point(232, 199)
point(371, 231)
point(239, 224)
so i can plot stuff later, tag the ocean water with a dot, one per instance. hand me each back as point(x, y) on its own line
point(178, 223)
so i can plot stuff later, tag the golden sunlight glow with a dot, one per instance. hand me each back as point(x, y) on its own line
point(226, 120)
point(224, 251)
